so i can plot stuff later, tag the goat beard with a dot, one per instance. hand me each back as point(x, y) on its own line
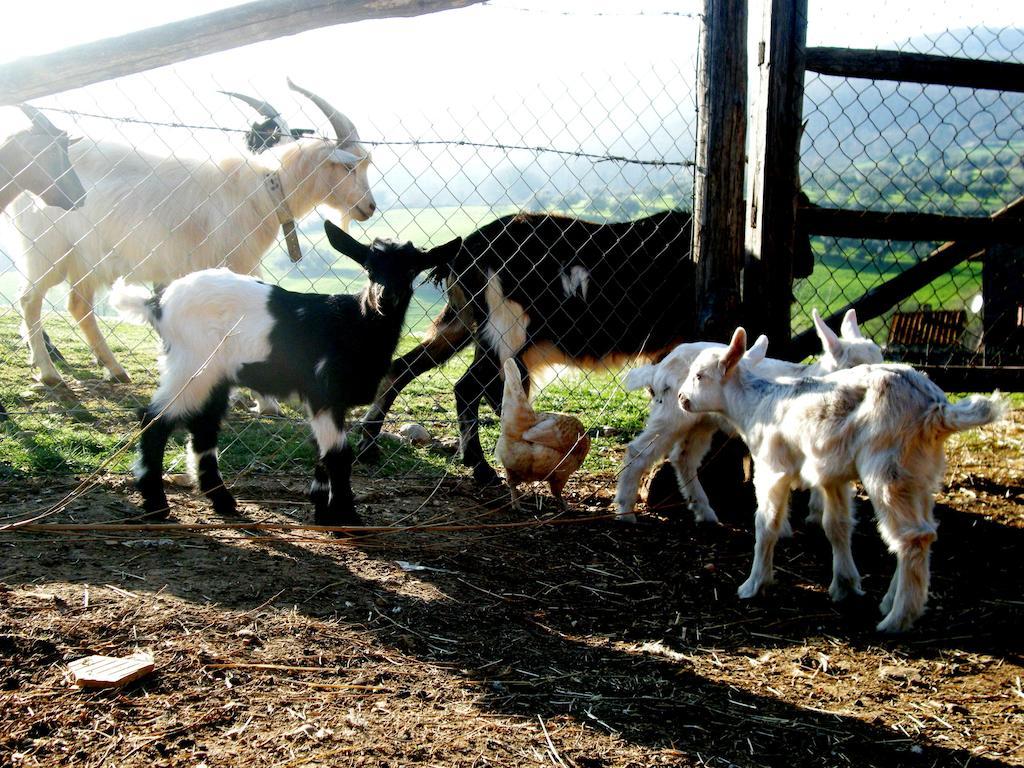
point(371, 299)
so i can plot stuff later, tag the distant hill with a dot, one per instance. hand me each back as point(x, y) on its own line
point(942, 148)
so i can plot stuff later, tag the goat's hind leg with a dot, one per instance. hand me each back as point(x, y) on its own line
point(837, 521)
point(772, 508)
point(908, 528)
point(480, 379)
point(81, 306)
point(205, 427)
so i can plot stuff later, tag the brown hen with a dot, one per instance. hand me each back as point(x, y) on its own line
point(537, 446)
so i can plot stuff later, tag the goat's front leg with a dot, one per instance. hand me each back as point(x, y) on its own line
point(482, 377)
point(649, 446)
point(336, 457)
point(80, 305)
point(685, 458)
point(447, 336)
point(149, 469)
point(31, 300)
point(772, 488)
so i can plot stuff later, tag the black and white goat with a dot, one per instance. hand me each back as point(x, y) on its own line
point(884, 424)
point(549, 290)
point(221, 330)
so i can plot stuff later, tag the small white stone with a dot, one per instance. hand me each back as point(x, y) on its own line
point(415, 433)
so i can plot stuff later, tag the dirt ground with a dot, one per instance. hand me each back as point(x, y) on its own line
point(576, 644)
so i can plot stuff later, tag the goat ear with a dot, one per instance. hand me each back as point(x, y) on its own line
point(849, 328)
point(344, 243)
point(829, 340)
point(443, 254)
point(344, 157)
point(734, 352)
point(757, 350)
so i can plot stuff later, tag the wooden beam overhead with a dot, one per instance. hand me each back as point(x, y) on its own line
point(81, 65)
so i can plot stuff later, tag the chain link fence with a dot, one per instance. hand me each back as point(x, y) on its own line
point(887, 146)
point(481, 134)
point(603, 137)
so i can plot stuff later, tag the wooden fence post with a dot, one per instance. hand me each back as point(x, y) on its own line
point(718, 209)
point(81, 65)
point(774, 176)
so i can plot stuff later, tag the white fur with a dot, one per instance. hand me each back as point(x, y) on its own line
point(212, 323)
point(883, 424)
point(153, 219)
point(326, 431)
point(685, 437)
point(505, 327)
point(576, 280)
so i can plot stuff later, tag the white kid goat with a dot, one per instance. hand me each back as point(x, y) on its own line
point(152, 218)
point(883, 424)
point(685, 437)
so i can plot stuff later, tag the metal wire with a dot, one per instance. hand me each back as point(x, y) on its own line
point(906, 147)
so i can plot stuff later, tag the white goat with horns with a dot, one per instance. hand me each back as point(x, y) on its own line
point(151, 218)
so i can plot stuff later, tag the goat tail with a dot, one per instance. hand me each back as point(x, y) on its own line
point(640, 378)
point(134, 302)
point(973, 411)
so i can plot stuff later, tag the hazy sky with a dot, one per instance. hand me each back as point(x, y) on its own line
point(46, 25)
point(431, 60)
point(560, 73)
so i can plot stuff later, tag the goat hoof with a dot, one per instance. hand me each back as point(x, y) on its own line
point(155, 512)
point(892, 624)
point(702, 513)
point(368, 452)
point(484, 475)
point(224, 506)
point(337, 519)
point(119, 377)
point(51, 381)
point(842, 588)
point(748, 589)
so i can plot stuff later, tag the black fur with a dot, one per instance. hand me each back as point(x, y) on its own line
point(331, 351)
point(640, 299)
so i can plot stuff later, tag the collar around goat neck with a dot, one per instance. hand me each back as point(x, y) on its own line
point(272, 182)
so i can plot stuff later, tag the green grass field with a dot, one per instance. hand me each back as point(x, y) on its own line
point(81, 428)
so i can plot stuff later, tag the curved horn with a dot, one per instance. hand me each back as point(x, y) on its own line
point(262, 107)
point(344, 129)
point(39, 120)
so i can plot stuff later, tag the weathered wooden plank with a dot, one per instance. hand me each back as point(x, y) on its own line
point(917, 68)
point(35, 76)
point(884, 297)
point(1002, 281)
point(900, 225)
point(774, 179)
point(718, 192)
